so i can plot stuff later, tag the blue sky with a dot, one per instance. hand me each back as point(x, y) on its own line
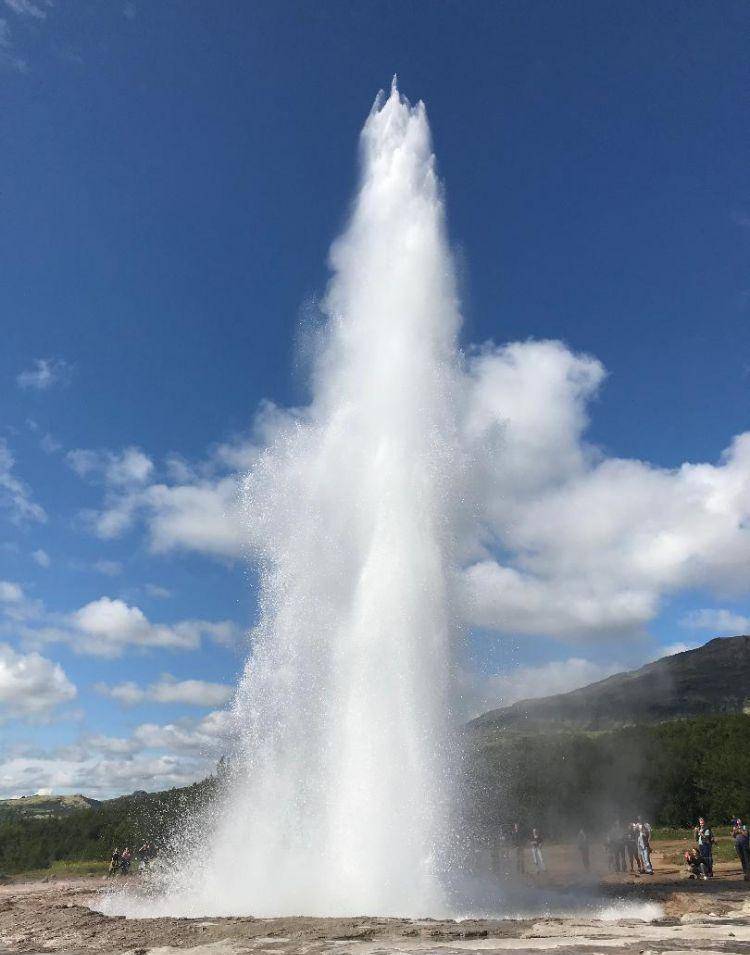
point(171, 178)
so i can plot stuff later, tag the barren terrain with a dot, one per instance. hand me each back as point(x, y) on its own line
point(713, 916)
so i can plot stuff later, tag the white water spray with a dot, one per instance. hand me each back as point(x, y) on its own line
point(340, 798)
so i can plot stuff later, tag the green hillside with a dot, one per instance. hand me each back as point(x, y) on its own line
point(29, 841)
point(41, 807)
point(671, 772)
point(614, 749)
point(711, 679)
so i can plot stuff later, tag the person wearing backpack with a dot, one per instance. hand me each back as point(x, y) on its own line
point(705, 839)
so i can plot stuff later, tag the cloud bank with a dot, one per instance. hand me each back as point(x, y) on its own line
point(558, 538)
point(31, 686)
point(169, 690)
point(105, 627)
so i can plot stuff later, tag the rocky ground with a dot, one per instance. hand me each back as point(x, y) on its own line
point(714, 916)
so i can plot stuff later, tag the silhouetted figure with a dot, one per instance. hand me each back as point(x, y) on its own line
point(125, 860)
point(742, 846)
point(582, 841)
point(517, 840)
point(536, 851)
point(114, 863)
point(616, 848)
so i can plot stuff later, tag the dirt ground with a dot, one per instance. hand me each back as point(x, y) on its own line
point(712, 916)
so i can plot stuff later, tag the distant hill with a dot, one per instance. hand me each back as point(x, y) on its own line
point(713, 679)
point(42, 807)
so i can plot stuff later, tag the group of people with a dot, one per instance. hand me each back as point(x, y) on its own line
point(519, 840)
point(628, 847)
point(120, 861)
point(700, 859)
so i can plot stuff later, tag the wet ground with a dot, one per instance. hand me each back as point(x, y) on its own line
point(713, 916)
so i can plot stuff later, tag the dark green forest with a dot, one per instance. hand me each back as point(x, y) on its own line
point(668, 772)
point(86, 834)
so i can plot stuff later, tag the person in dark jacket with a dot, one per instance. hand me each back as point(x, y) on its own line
point(583, 847)
point(742, 846)
point(696, 864)
point(536, 851)
point(705, 839)
point(517, 840)
point(114, 863)
point(125, 860)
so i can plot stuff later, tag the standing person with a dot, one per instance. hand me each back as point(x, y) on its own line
point(583, 847)
point(622, 845)
point(742, 846)
point(705, 839)
point(631, 846)
point(125, 859)
point(644, 845)
point(617, 848)
point(114, 863)
point(516, 838)
point(536, 851)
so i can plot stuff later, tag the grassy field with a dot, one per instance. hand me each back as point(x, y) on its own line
point(665, 839)
point(64, 869)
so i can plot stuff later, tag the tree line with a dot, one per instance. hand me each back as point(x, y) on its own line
point(669, 772)
point(558, 781)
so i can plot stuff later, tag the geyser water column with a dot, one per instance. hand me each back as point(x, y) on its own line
point(340, 798)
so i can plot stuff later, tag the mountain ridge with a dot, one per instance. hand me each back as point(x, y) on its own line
point(710, 679)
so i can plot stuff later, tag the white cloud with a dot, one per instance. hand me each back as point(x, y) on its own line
point(26, 8)
point(45, 373)
point(41, 557)
point(556, 538)
point(209, 736)
point(590, 545)
point(31, 686)
point(8, 56)
point(49, 444)
point(199, 511)
point(671, 649)
point(169, 690)
point(10, 592)
point(128, 693)
point(719, 621)
point(153, 757)
point(100, 777)
point(498, 597)
point(203, 517)
point(110, 568)
point(155, 590)
point(15, 495)
point(106, 627)
point(127, 468)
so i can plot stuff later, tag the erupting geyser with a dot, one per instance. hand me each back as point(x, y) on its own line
point(340, 797)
